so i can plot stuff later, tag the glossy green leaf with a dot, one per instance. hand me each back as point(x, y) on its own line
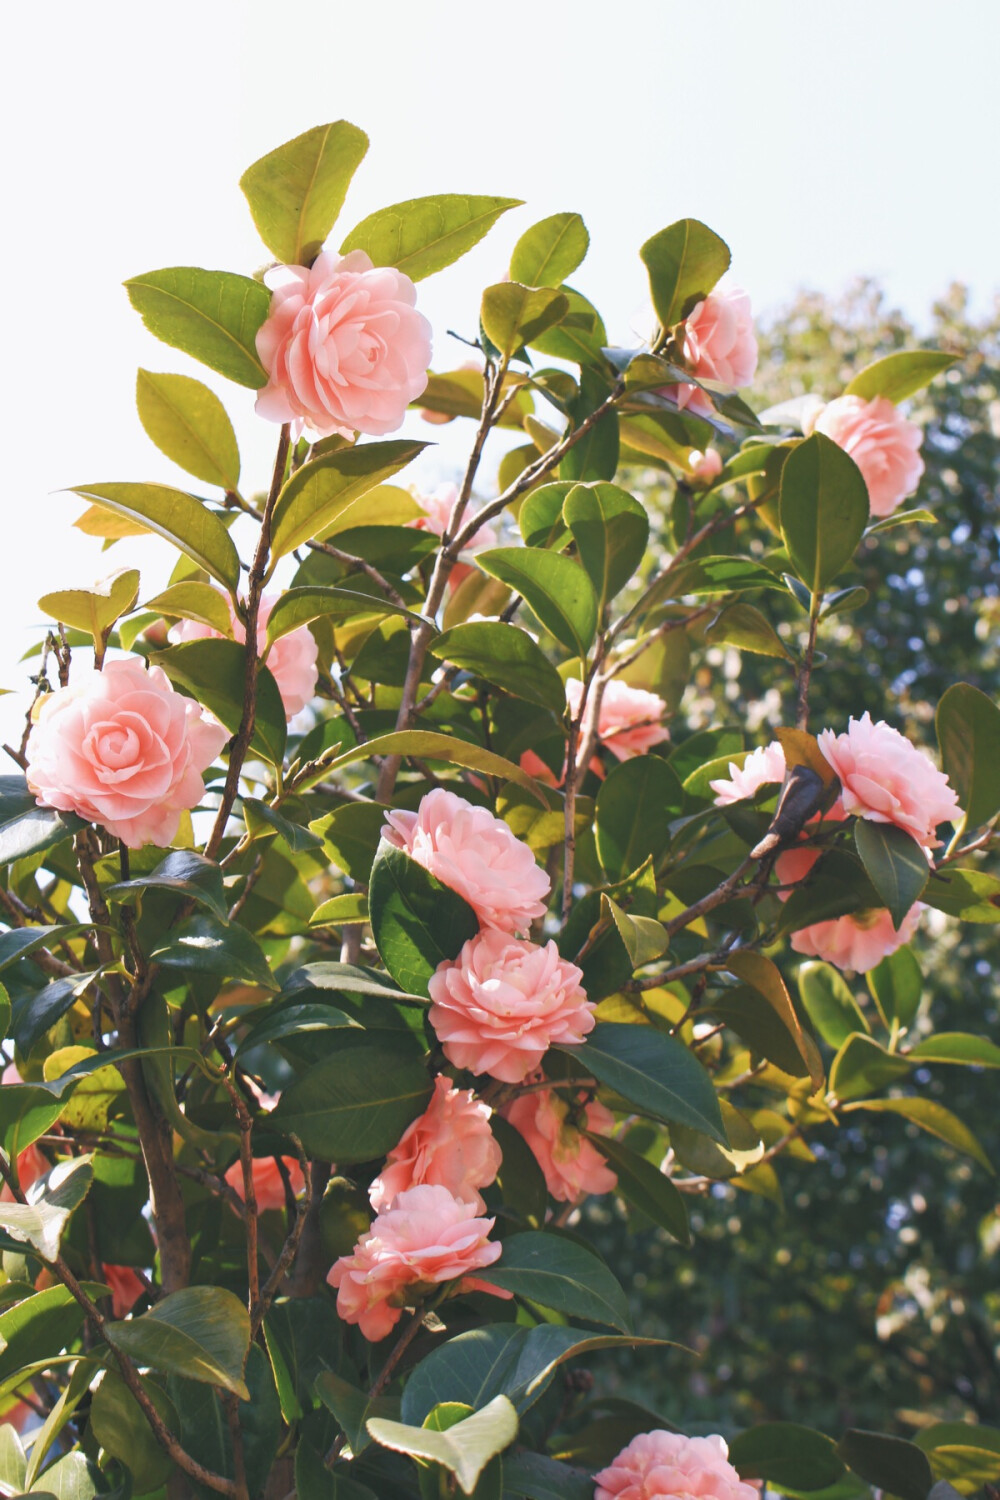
point(189, 424)
point(514, 315)
point(964, 1453)
point(356, 1103)
point(896, 985)
point(654, 1072)
point(540, 518)
point(26, 828)
point(550, 250)
point(636, 804)
point(903, 518)
point(645, 1187)
point(121, 1428)
point(94, 610)
point(645, 939)
point(214, 672)
point(350, 836)
point(765, 978)
point(786, 1454)
point(179, 518)
point(423, 235)
point(684, 262)
point(453, 751)
point(19, 942)
point(533, 1476)
point(464, 1449)
point(212, 315)
point(968, 732)
point(201, 1333)
point(973, 895)
point(51, 1200)
point(195, 601)
point(889, 1463)
point(595, 455)
point(204, 945)
point(743, 626)
point(299, 606)
point(262, 820)
point(895, 864)
point(562, 1275)
point(611, 531)
point(829, 1004)
point(718, 575)
point(187, 873)
point(506, 656)
point(296, 191)
point(957, 1047)
point(824, 510)
point(39, 1326)
point(417, 922)
point(352, 1408)
point(580, 336)
point(708, 1158)
point(899, 375)
point(862, 1065)
point(933, 1118)
point(556, 588)
point(303, 1336)
point(324, 491)
point(290, 1019)
point(204, 1423)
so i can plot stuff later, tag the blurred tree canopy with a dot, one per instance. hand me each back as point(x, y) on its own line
point(901, 1267)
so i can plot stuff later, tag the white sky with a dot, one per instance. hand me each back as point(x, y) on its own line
point(821, 138)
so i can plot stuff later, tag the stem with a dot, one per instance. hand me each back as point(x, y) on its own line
point(805, 671)
point(708, 902)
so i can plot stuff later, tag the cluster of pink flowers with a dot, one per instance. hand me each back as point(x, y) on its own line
point(120, 748)
point(344, 347)
point(882, 443)
point(450, 1145)
point(657, 1465)
point(572, 1165)
point(884, 779)
point(719, 345)
point(291, 660)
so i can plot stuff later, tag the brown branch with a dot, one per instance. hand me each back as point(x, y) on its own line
point(231, 1407)
point(805, 671)
point(714, 898)
point(290, 1248)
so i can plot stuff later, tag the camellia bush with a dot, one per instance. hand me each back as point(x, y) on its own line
point(364, 918)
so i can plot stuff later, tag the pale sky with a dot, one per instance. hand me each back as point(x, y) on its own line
point(821, 138)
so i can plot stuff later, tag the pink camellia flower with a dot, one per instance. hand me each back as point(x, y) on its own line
point(629, 720)
point(468, 849)
point(858, 941)
point(667, 1464)
point(882, 443)
point(437, 513)
point(126, 1288)
point(268, 1183)
point(426, 1237)
point(32, 1163)
point(344, 348)
point(573, 1167)
point(121, 748)
point(450, 1145)
point(500, 1005)
point(719, 344)
point(761, 767)
point(887, 780)
point(291, 660)
point(705, 467)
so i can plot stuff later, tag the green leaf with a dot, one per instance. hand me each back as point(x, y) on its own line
point(896, 985)
point(645, 939)
point(214, 672)
point(579, 338)
point(443, 747)
point(39, 1326)
point(187, 873)
point(718, 575)
point(356, 1103)
point(973, 895)
point(594, 456)
point(824, 510)
point(203, 945)
point(423, 235)
point(535, 1477)
point(862, 1065)
point(645, 1187)
point(956, 1047)
point(933, 1118)
point(514, 315)
point(684, 262)
point(179, 518)
point(195, 601)
point(463, 1449)
point(694, 1150)
point(417, 922)
point(352, 1408)
point(895, 864)
point(889, 1463)
point(297, 607)
point(900, 375)
point(968, 732)
point(520, 1178)
point(636, 804)
point(556, 588)
point(26, 828)
point(201, 1333)
point(506, 656)
point(322, 492)
point(903, 518)
point(204, 1424)
point(72, 1477)
point(550, 250)
point(541, 516)
point(296, 191)
point(765, 978)
point(611, 531)
point(964, 1453)
point(303, 1336)
point(189, 424)
point(18, 942)
point(829, 1004)
point(654, 1072)
point(120, 1426)
point(290, 1019)
point(561, 1275)
point(351, 836)
point(212, 315)
point(94, 610)
point(743, 626)
point(262, 820)
point(51, 1200)
point(786, 1454)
